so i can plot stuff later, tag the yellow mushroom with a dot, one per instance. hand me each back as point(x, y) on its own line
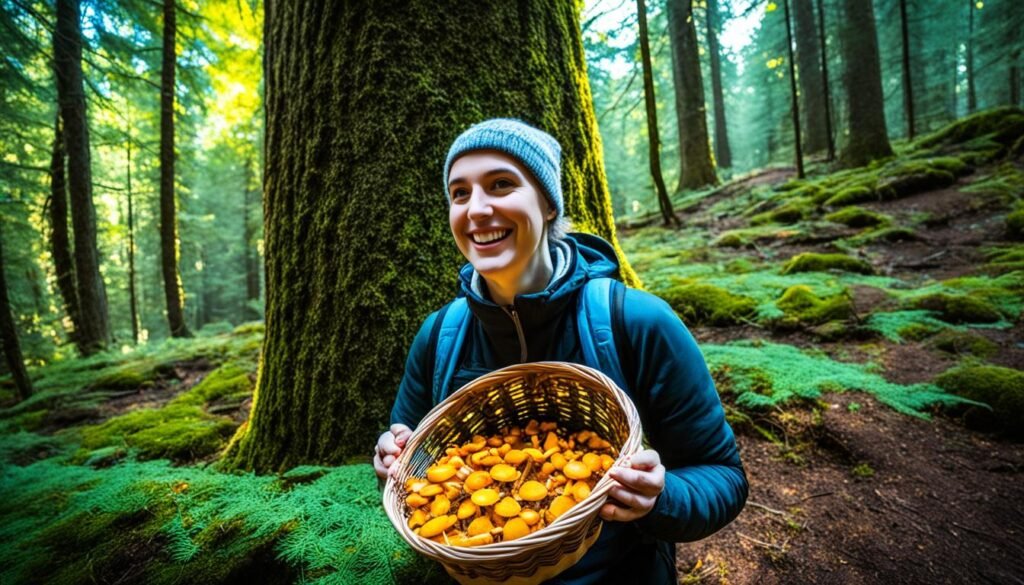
point(440, 473)
point(430, 490)
point(467, 509)
point(418, 518)
point(532, 428)
point(606, 462)
point(536, 454)
point(531, 517)
point(478, 480)
point(593, 461)
point(435, 526)
point(551, 441)
point(440, 506)
point(479, 539)
point(558, 460)
point(415, 484)
point(485, 497)
point(515, 528)
point(559, 506)
point(503, 472)
point(491, 460)
point(507, 508)
point(576, 470)
point(533, 491)
point(494, 441)
point(416, 500)
point(580, 491)
point(515, 457)
point(481, 525)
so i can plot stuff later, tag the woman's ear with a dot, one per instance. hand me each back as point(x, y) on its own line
point(552, 213)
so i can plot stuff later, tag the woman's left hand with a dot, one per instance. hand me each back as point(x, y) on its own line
point(636, 487)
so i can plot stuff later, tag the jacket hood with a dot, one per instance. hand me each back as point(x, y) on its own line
point(544, 315)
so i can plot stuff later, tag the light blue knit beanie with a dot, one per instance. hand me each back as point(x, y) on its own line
point(537, 150)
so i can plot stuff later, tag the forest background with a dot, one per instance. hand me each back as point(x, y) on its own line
point(206, 202)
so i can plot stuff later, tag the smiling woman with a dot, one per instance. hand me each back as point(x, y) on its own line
point(518, 303)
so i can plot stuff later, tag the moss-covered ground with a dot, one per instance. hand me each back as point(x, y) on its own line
point(844, 317)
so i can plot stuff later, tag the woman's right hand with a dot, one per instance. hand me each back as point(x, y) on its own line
point(389, 447)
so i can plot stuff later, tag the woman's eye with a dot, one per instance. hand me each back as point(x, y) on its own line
point(458, 193)
point(503, 184)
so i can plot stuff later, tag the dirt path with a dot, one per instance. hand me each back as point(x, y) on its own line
point(929, 503)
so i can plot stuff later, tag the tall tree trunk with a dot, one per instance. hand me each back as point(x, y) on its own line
point(826, 94)
point(132, 300)
point(362, 101)
point(972, 97)
point(696, 165)
point(908, 86)
point(252, 268)
point(723, 154)
point(653, 141)
point(94, 326)
point(867, 139)
point(794, 101)
point(1015, 78)
point(808, 61)
point(168, 218)
point(9, 334)
point(60, 241)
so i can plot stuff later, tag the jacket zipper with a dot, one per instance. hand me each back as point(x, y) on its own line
point(511, 312)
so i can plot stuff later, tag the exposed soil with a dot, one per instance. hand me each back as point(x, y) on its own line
point(868, 495)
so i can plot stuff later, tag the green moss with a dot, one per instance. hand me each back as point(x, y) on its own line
point(964, 342)
point(910, 178)
point(969, 308)
point(918, 331)
point(1003, 125)
point(730, 239)
point(883, 234)
point(851, 195)
point(786, 214)
point(1000, 388)
point(250, 327)
point(709, 305)
point(1015, 224)
point(814, 262)
point(179, 432)
point(232, 380)
point(857, 217)
point(863, 471)
point(800, 306)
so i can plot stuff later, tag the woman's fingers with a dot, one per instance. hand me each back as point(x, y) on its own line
point(386, 445)
point(649, 483)
point(401, 433)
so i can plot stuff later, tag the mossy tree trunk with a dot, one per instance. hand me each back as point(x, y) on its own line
point(794, 98)
point(9, 335)
point(252, 267)
point(696, 165)
point(60, 239)
point(723, 154)
point(173, 295)
point(94, 326)
point(867, 139)
point(808, 61)
point(653, 141)
point(826, 92)
point(908, 86)
point(362, 102)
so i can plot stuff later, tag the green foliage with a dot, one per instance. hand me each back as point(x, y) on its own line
point(814, 262)
point(898, 326)
point(1002, 125)
point(964, 342)
point(1015, 224)
point(1004, 184)
point(850, 196)
point(706, 304)
point(788, 213)
point(882, 234)
point(1004, 259)
point(800, 306)
point(1000, 388)
point(863, 471)
point(858, 217)
point(958, 308)
point(765, 374)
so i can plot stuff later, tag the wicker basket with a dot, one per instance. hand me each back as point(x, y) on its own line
point(576, 397)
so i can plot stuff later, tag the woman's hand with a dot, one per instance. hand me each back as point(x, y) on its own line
point(389, 446)
point(636, 487)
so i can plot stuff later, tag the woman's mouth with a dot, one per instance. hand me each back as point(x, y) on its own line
point(486, 239)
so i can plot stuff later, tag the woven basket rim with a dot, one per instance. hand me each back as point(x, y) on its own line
point(581, 513)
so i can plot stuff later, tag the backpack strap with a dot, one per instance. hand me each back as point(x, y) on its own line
point(596, 326)
point(449, 332)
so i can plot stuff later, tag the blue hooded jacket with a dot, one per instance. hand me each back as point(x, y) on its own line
point(667, 378)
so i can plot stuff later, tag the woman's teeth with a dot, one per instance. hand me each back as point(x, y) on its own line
point(487, 237)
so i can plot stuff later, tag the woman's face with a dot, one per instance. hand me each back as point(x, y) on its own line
point(498, 215)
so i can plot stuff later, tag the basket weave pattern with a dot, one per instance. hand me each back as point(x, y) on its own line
point(574, 396)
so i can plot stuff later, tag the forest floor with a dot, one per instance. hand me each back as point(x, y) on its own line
point(864, 328)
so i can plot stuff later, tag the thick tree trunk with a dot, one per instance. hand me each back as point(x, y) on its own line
point(723, 154)
point(867, 138)
point(94, 328)
point(794, 99)
point(972, 96)
point(9, 335)
point(826, 95)
point(168, 218)
point(653, 141)
point(362, 101)
point(252, 267)
point(696, 166)
point(808, 61)
point(60, 240)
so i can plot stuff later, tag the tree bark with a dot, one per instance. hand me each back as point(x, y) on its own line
point(653, 141)
point(808, 62)
point(94, 327)
point(362, 102)
point(723, 154)
point(794, 99)
point(867, 139)
point(696, 165)
point(9, 335)
point(972, 97)
point(168, 218)
point(60, 241)
point(132, 300)
point(908, 86)
point(252, 268)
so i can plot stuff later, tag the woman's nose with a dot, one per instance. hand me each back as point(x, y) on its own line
point(479, 203)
